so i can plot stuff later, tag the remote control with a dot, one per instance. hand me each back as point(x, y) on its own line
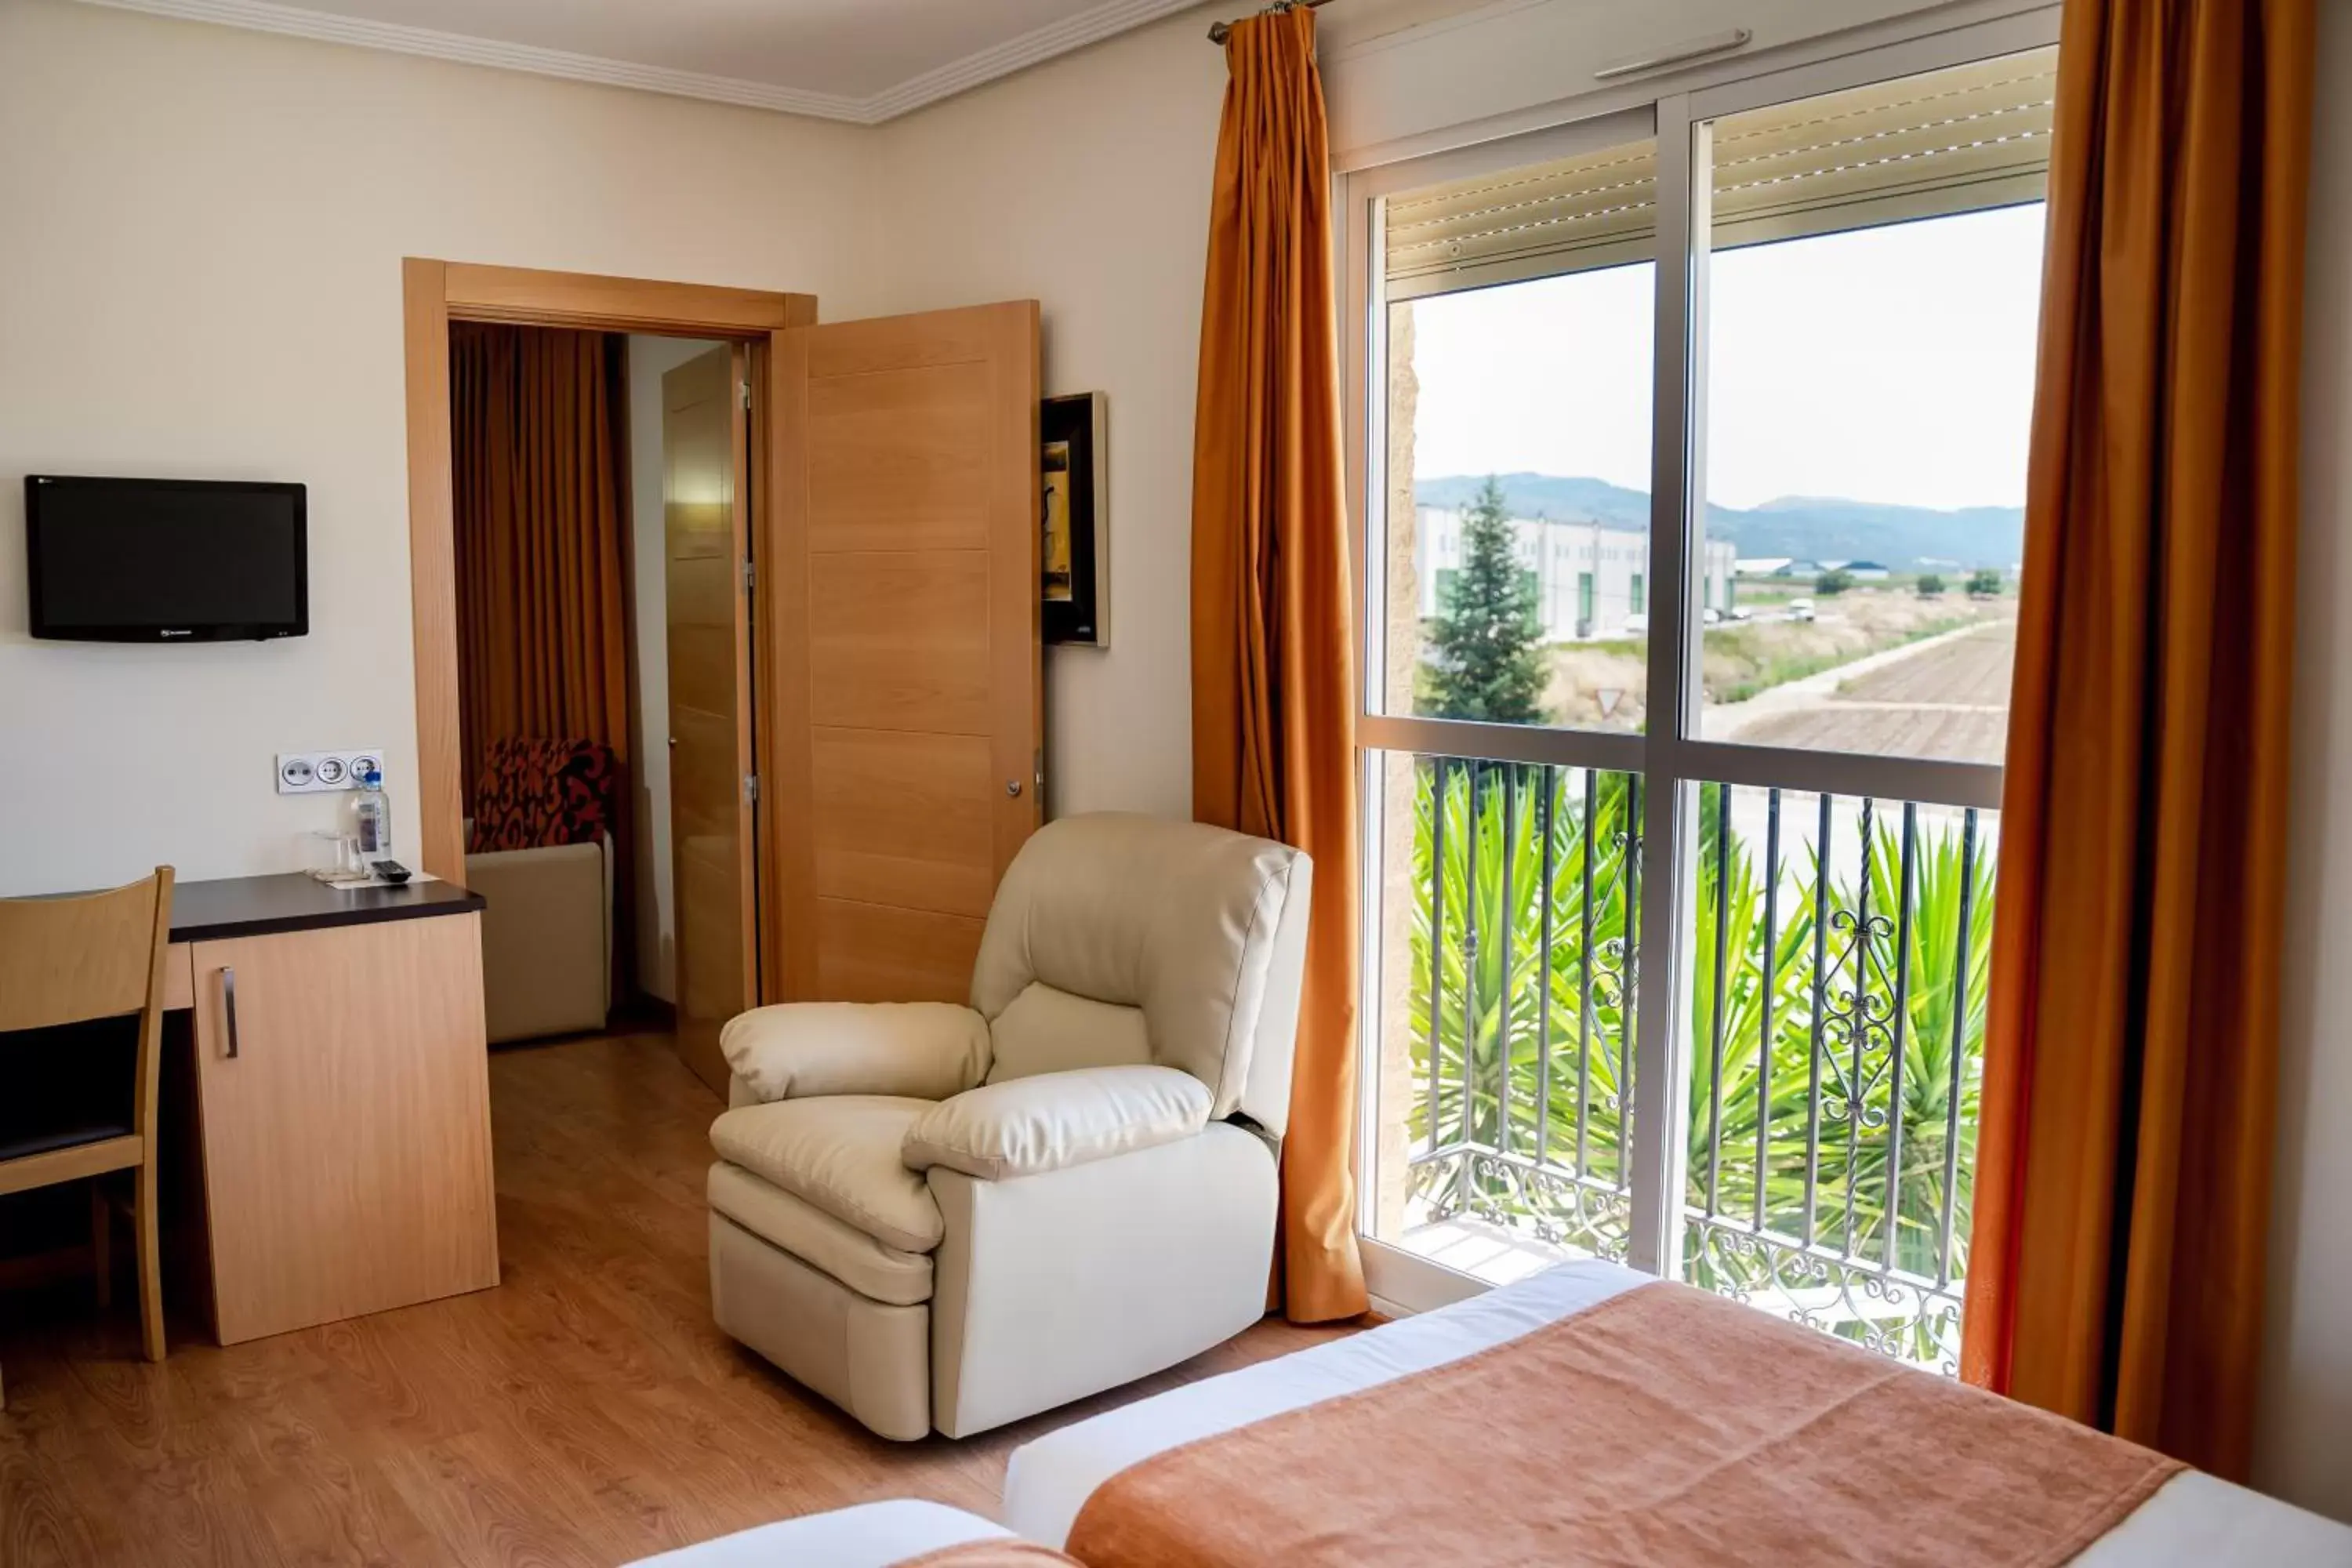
point(392, 871)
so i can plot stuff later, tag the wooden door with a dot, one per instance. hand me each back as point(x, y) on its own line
point(703, 501)
point(904, 640)
point(345, 1119)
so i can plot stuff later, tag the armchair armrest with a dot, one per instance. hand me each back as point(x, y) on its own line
point(1051, 1120)
point(798, 1050)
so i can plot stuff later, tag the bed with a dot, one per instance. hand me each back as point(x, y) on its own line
point(870, 1535)
point(2185, 1518)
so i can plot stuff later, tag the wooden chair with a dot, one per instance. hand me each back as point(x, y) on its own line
point(71, 961)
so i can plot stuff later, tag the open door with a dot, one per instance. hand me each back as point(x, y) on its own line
point(704, 443)
point(903, 639)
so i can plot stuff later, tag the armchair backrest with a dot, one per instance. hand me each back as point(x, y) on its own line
point(1117, 938)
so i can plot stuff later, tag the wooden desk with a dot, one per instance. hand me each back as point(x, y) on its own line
point(337, 1073)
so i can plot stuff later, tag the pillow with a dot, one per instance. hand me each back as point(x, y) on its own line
point(535, 792)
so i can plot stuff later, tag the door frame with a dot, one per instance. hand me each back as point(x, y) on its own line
point(435, 293)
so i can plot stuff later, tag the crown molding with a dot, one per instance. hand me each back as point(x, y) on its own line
point(1089, 27)
point(1072, 33)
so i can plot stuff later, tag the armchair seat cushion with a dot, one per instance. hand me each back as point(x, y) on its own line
point(840, 1154)
point(1026, 1126)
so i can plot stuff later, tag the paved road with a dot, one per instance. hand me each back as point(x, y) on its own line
point(1949, 700)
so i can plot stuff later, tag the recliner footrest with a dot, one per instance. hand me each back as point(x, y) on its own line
point(831, 1245)
point(871, 1358)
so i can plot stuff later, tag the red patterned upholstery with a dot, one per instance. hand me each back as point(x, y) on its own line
point(535, 792)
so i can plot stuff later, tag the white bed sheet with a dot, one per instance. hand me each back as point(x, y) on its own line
point(2193, 1520)
point(870, 1535)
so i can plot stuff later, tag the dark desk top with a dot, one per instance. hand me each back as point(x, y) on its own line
point(264, 906)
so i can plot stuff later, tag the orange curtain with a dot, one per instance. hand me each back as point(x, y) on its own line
point(2124, 1159)
point(1274, 693)
point(539, 453)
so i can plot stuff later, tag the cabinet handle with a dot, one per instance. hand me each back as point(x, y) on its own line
point(229, 994)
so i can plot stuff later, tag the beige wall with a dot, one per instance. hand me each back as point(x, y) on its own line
point(2304, 1444)
point(1084, 184)
point(201, 256)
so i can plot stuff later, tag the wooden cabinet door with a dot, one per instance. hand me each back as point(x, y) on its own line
point(903, 638)
point(343, 1080)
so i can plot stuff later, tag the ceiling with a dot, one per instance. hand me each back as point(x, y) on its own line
point(859, 61)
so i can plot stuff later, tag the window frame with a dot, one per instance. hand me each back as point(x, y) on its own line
point(1671, 756)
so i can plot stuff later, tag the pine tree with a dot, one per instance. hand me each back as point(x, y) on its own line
point(1486, 647)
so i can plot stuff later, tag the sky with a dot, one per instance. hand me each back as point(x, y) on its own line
point(1884, 365)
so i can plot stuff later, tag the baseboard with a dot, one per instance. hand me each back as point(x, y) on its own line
point(1401, 1284)
point(645, 1011)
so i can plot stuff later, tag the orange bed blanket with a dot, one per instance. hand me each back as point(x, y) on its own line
point(1663, 1425)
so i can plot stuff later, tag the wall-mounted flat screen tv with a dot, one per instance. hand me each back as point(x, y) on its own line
point(165, 560)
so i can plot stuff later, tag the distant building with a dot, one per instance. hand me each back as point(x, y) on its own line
point(1588, 578)
point(1864, 570)
point(1777, 566)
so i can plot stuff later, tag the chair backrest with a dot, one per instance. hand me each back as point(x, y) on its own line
point(96, 955)
point(1117, 940)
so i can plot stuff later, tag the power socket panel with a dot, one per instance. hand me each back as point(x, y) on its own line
point(323, 773)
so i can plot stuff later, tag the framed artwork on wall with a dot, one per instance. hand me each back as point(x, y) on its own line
point(1073, 547)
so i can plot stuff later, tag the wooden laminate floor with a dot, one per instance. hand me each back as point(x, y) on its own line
point(584, 1412)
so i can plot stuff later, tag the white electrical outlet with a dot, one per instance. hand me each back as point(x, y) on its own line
point(318, 772)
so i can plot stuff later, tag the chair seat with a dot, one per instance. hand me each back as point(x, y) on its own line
point(48, 1140)
point(839, 1153)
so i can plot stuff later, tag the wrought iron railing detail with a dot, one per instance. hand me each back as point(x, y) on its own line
point(1526, 892)
point(1854, 965)
point(1837, 1025)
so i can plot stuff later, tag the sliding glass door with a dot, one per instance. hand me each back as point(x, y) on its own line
point(1691, 462)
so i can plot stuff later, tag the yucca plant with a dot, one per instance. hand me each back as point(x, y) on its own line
point(1543, 1024)
point(1501, 983)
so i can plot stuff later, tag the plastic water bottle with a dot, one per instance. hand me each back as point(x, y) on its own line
point(372, 817)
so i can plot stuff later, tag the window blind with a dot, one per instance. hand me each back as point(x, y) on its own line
point(1955, 140)
point(1598, 209)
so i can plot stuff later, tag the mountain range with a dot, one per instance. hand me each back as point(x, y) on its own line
point(1810, 527)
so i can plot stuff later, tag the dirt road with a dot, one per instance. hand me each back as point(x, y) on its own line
point(1946, 699)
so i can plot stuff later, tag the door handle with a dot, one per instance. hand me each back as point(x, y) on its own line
point(229, 996)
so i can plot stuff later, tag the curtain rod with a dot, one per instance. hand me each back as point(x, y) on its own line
point(1220, 31)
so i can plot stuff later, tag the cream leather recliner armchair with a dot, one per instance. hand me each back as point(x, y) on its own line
point(946, 1216)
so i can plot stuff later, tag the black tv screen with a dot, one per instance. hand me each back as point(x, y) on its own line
point(165, 560)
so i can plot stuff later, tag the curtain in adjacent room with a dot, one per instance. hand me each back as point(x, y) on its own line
point(2124, 1161)
point(538, 453)
point(539, 456)
point(1272, 642)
